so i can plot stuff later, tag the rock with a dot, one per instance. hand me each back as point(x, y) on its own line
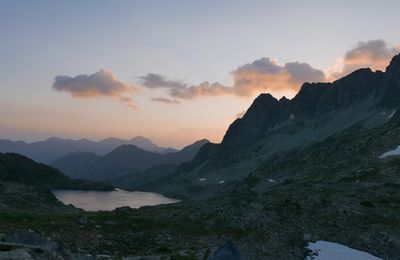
point(32, 239)
point(83, 220)
point(227, 252)
point(124, 209)
point(256, 205)
point(17, 254)
point(307, 237)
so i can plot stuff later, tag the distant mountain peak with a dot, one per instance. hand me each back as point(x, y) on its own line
point(54, 139)
point(141, 138)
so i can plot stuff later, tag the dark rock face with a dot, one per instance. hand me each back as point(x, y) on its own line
point(227, 252)
point(391, 83)
point(380, 90)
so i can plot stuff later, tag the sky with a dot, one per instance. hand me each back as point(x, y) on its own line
point(173, 71)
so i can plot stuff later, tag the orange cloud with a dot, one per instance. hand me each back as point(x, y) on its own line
point(375, 54)
point(263, 75)
point(101, 83)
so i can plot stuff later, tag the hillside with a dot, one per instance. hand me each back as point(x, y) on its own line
point(20, 169)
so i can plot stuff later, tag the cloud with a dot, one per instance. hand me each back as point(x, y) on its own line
point(165, 100)
point(375, 54)
point(265, 75)
point(201, 90)
point(262, 75)
point(101, 83)
point(153, 80)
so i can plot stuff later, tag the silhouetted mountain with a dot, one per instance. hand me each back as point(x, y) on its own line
point(72, 163)
point(186, 154)
point(270, 126)
point(147, 145)
point(53, 148)
point(170, 162)
point(122, 160)
point(20, 169)
point(317, 111)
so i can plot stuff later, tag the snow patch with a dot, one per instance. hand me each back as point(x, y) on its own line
point(324, 250)
point(392, 114)
point(395, 152)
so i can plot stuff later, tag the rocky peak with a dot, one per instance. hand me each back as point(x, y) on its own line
point(390, 88)
point(363, 87)
point(394, 65)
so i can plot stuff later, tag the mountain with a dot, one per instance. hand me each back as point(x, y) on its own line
point(147, 145)
point(71, 163)
point(120, 161)
point(53, 148)
point(18, 168)
point(141, 179)
point(270, 126)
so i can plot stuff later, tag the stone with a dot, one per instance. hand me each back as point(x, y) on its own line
point(17, 254)
point(227, 252)
point(83, 220)
point(307, 237)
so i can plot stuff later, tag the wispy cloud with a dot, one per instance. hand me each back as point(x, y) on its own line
point(153, 81)
point(165, 100)
point(101, 83)
point(202, 90)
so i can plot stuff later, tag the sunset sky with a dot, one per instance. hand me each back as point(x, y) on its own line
point(173, 71)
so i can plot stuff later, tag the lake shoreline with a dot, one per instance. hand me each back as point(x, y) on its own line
point(93, 201)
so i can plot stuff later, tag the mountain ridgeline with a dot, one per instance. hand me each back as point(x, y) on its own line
point(272, 126)
point(125, 159)
point(362, 95)
point(53, 148)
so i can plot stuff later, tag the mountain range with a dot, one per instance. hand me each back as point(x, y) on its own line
point(125, 159)
point(49, 150)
